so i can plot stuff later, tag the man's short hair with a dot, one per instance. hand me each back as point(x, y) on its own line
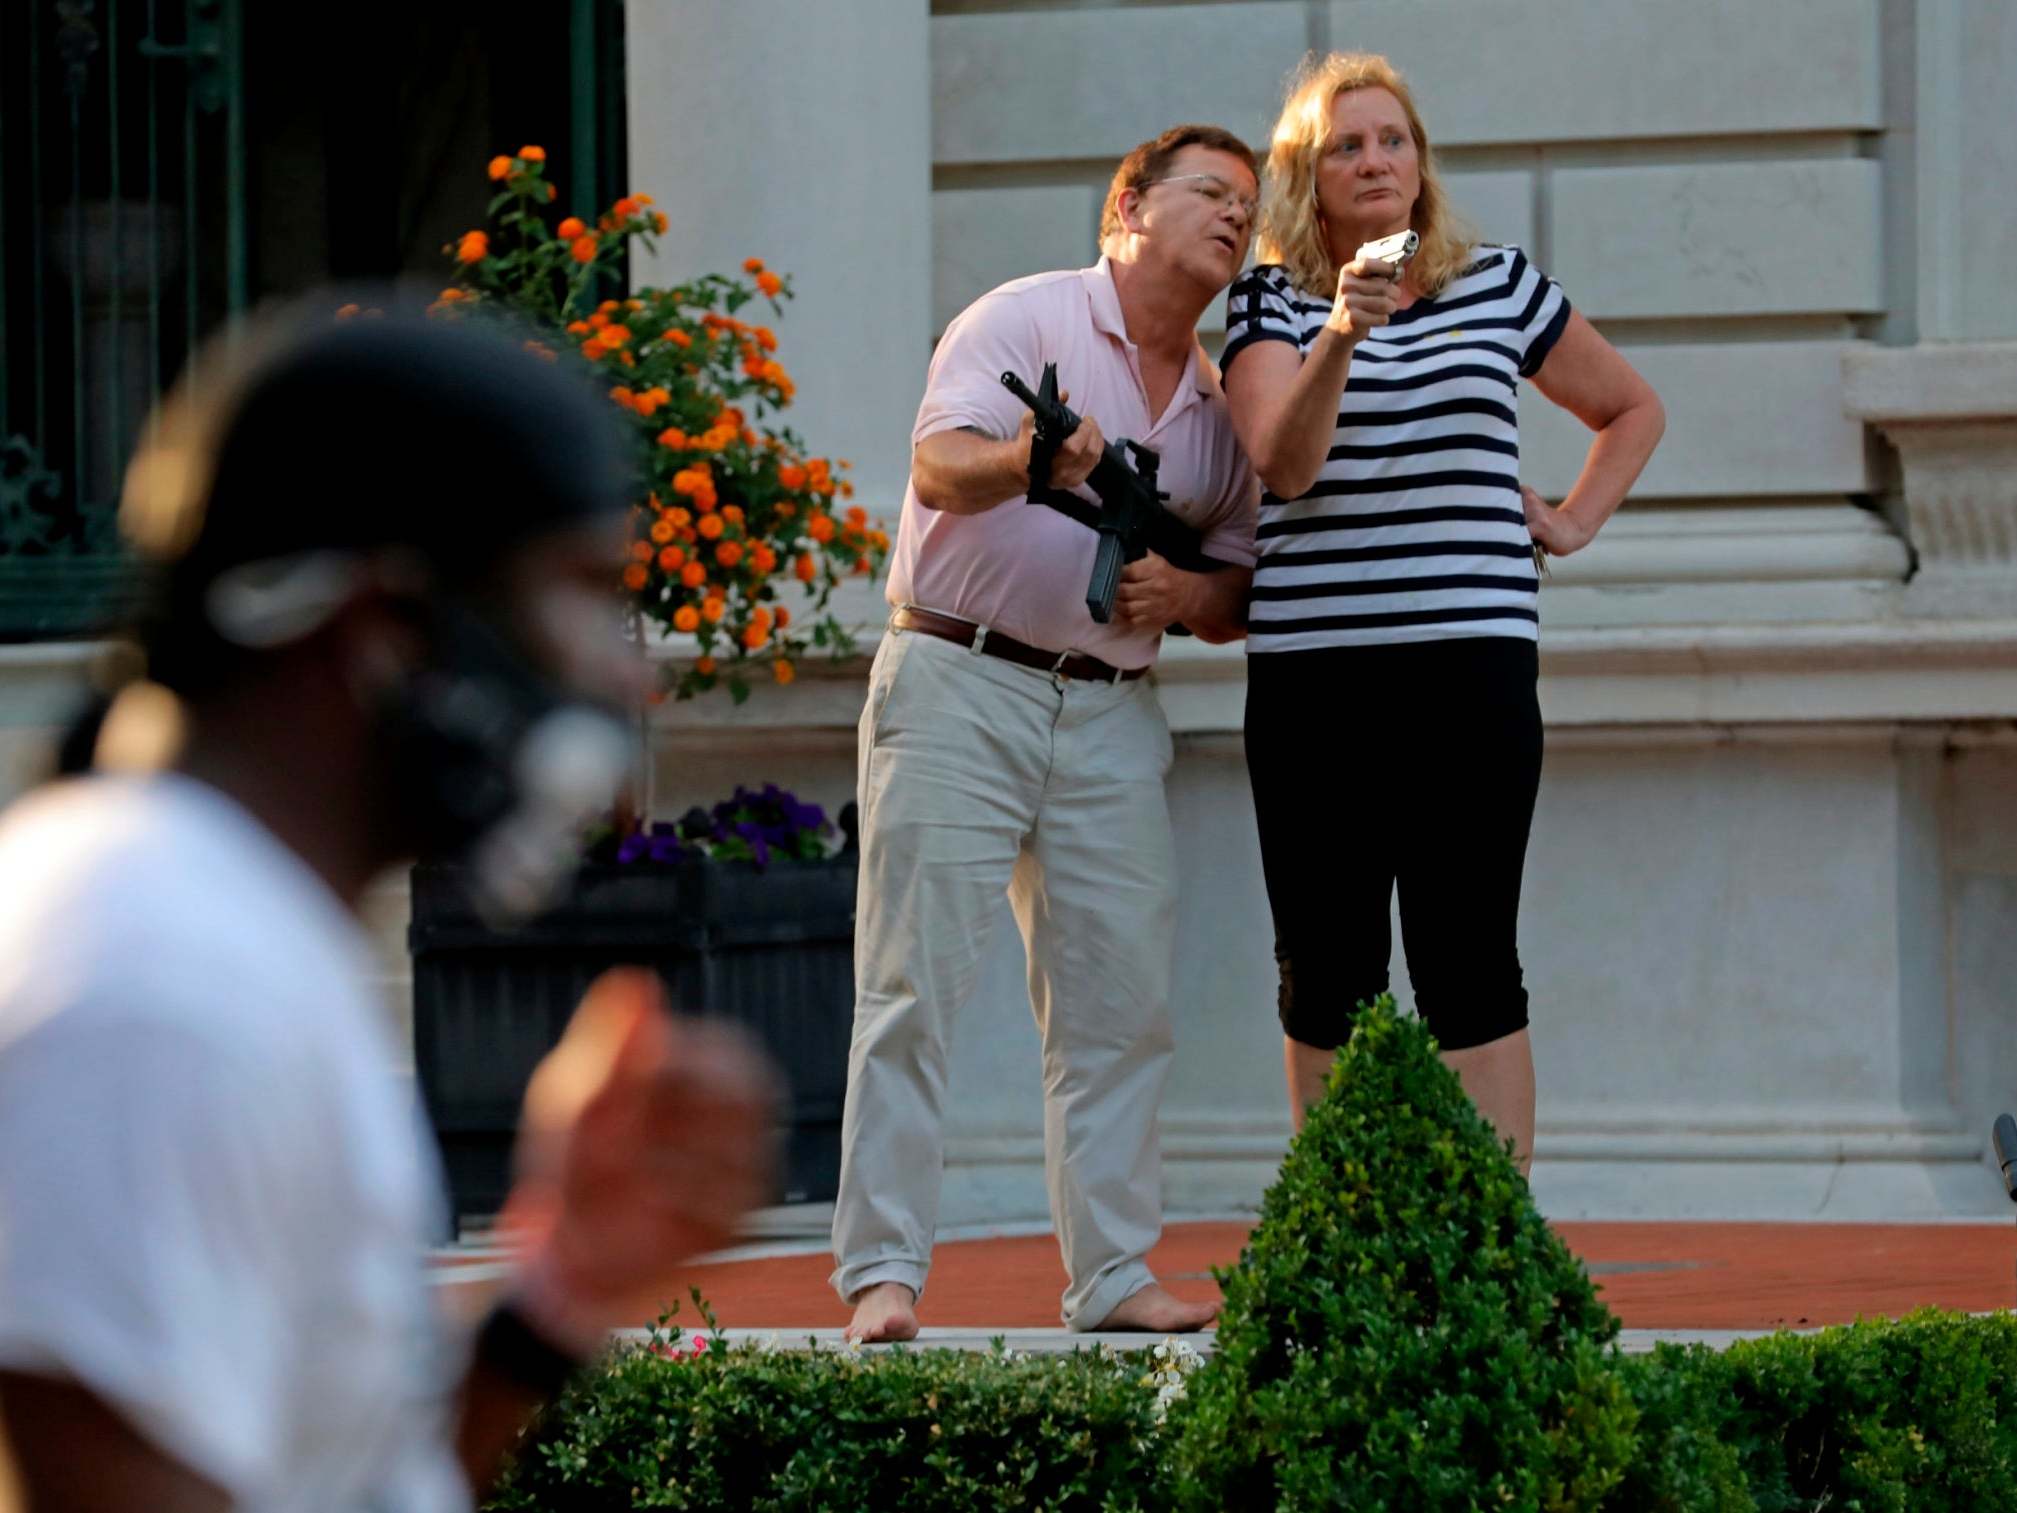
point(1150, 161)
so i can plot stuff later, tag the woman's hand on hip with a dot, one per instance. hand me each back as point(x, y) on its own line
point(1553, 527)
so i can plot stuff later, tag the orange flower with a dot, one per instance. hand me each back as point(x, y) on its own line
point(754, 636)
point(711, 610)
point(820, 528)
point(570, 228)
point(661, 532)
point(685, 618)
point(769, 283)
point(608, 307)
point(579, 328)
point(752, 265)
point(704, 666)
point(641, 550)
point(783, 617)
point(879, 540)
point(552, 194)
point(805, 568)
point(710, 526)
point(598, 321)
point(635, 577)
point(669, 558)
point(348, 312)
point(542, 351)
point(782, 670)
point(624, 208)
point(614, 335)
point(728, 553)
point(659, 223)
point(500, 167)
point(791, 476)
point(583, 249)
point(672, 436)
point(764, 559)
point(474, 247)
point(677, 337)
point(533, 154)
point(732, 513)
point(452, 296)
point(765, 338)
point(693, 575)
point(704, 496)
point(678, 516)
point(857, 517)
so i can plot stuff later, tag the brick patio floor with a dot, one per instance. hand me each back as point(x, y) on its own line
point(1655, 1276)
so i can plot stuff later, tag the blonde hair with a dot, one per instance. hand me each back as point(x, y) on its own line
point(1291, 230)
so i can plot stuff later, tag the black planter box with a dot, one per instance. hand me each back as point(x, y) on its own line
point(770, 950)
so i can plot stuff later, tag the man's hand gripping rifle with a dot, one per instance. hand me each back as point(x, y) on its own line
point(1130, 517)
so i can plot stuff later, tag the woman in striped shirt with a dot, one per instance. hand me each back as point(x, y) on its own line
point(1396, 584)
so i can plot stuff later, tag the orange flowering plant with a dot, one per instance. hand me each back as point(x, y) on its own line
point(733, 515)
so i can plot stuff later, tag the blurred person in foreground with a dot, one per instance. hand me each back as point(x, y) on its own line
point(384, 626)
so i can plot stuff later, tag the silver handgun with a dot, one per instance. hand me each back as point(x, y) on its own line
point(1395, 249)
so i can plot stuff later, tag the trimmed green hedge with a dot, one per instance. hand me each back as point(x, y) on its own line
point(804, 1430)
point(1403, 1332)
point(1912, 1414)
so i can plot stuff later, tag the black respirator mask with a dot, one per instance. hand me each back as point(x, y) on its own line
point(495, 765)
point(489, 761)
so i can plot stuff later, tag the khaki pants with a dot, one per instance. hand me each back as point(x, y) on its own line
point(979, 776)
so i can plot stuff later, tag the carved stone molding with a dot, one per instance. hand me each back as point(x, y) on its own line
point(1950, 409)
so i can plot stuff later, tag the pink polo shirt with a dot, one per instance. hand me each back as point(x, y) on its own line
point(1021, 568)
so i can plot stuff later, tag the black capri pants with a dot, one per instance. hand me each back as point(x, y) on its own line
point(1414, 766)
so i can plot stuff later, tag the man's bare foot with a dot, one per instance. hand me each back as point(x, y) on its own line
point(1154, 1310)
point(883, 1313)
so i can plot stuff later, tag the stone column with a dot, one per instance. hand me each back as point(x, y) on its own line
point(801, 134)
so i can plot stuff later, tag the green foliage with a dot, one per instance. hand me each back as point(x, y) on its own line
point(1404, 1331)
point(914, 1431)
point(1914, 1414)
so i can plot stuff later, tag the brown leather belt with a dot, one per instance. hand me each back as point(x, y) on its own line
point(1069, 664)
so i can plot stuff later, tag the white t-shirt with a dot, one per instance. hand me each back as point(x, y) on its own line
point(213, 1197)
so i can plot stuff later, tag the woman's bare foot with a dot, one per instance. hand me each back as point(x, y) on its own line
point(883, 1313)
point(1154, 1310)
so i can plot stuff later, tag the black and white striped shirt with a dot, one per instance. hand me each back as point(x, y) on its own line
point(1413, 530)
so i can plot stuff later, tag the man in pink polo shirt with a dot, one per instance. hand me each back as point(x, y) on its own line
point(1011, 743)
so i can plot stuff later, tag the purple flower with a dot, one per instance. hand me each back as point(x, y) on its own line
point(633, 849)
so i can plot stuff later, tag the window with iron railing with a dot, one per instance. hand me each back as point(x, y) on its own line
point(167, 164)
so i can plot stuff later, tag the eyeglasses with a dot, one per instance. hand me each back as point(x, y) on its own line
point(1215, 189)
